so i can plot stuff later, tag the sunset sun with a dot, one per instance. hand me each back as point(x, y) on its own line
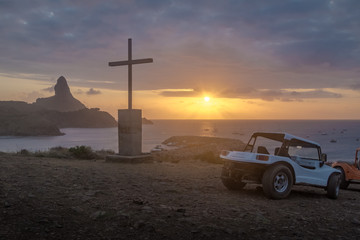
point(207, 99)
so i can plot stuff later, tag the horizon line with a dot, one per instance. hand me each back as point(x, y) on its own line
point(256, 119)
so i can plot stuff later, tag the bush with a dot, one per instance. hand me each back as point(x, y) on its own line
point(24, 152)
point(82, 152)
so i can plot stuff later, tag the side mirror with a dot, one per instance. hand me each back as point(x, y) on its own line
point(324, 157)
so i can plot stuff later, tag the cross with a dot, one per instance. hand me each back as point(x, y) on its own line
point(130, 62)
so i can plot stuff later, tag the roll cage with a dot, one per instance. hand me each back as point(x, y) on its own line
point(286, 142)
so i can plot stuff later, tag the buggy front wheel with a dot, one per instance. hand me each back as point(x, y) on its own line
point(333, 186)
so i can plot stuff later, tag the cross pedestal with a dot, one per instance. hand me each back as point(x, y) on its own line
point(129, 120)
point(130, 138)
point(130, 132)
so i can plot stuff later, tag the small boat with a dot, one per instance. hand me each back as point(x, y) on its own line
point(157, 148)
point(333, 141)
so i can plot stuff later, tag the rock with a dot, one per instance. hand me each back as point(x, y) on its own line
point(146, 121)
point(181, 210)
point(30, 195)
point(63, 101)
point(77, 209)
point(147, 209)
point(355, 220)
point(139, 224)
point(97, 214)
point(138, 201)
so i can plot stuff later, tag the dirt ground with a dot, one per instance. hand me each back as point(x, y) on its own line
point(42, 198)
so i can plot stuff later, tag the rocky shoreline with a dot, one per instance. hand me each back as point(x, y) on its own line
point(174, 197)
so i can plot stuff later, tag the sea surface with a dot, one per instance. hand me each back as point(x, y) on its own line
point(338, 138)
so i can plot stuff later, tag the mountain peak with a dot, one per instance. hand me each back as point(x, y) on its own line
point(61, 87)
point(63, 100)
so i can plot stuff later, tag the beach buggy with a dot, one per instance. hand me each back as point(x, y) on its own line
point(278, 161)
point(350, 172)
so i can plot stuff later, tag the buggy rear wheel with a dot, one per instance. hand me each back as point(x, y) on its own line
point(277, 182)
point(230, 183)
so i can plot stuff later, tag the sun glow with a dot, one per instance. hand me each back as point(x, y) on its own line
point(207, 99)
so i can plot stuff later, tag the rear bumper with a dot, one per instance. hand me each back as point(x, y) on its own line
point(241, 171)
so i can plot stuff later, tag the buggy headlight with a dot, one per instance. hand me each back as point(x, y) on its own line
point(224, 153)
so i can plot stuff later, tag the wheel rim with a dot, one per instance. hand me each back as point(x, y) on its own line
point(281, 182)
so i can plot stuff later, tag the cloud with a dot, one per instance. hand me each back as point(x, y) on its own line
point(293, 95)
point(93, 92)
point(251, 93)
point(355, 86)
point(29, 96)
point(49, 89)
point(266, 43)
point(179, 93)
point(79, 92)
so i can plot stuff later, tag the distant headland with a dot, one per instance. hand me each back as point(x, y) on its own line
point(46, 116)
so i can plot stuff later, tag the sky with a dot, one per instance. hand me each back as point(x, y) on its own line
point(259, 59)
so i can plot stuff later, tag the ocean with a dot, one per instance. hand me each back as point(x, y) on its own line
point(338, 138)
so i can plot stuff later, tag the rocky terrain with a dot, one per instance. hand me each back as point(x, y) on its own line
point(46, 198)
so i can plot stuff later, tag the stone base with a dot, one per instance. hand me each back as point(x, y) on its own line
point(130, 132)
point(143, 158)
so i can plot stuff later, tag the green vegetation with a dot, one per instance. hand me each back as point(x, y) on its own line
point(77, 152)
point(82, 152)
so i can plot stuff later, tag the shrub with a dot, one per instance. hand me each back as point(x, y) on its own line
point(82, 152)
point(24, 152)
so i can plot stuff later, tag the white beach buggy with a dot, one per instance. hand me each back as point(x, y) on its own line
point(277, 161)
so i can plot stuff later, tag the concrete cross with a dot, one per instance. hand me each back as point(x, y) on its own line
point(130, 62)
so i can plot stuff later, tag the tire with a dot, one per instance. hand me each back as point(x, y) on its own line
point(230, 183)
point(333, 186)
point(343, 183)
point(277, 182)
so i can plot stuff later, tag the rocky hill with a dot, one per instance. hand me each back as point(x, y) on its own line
point(63, 101)
point(84, 118)
point(23, 119)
